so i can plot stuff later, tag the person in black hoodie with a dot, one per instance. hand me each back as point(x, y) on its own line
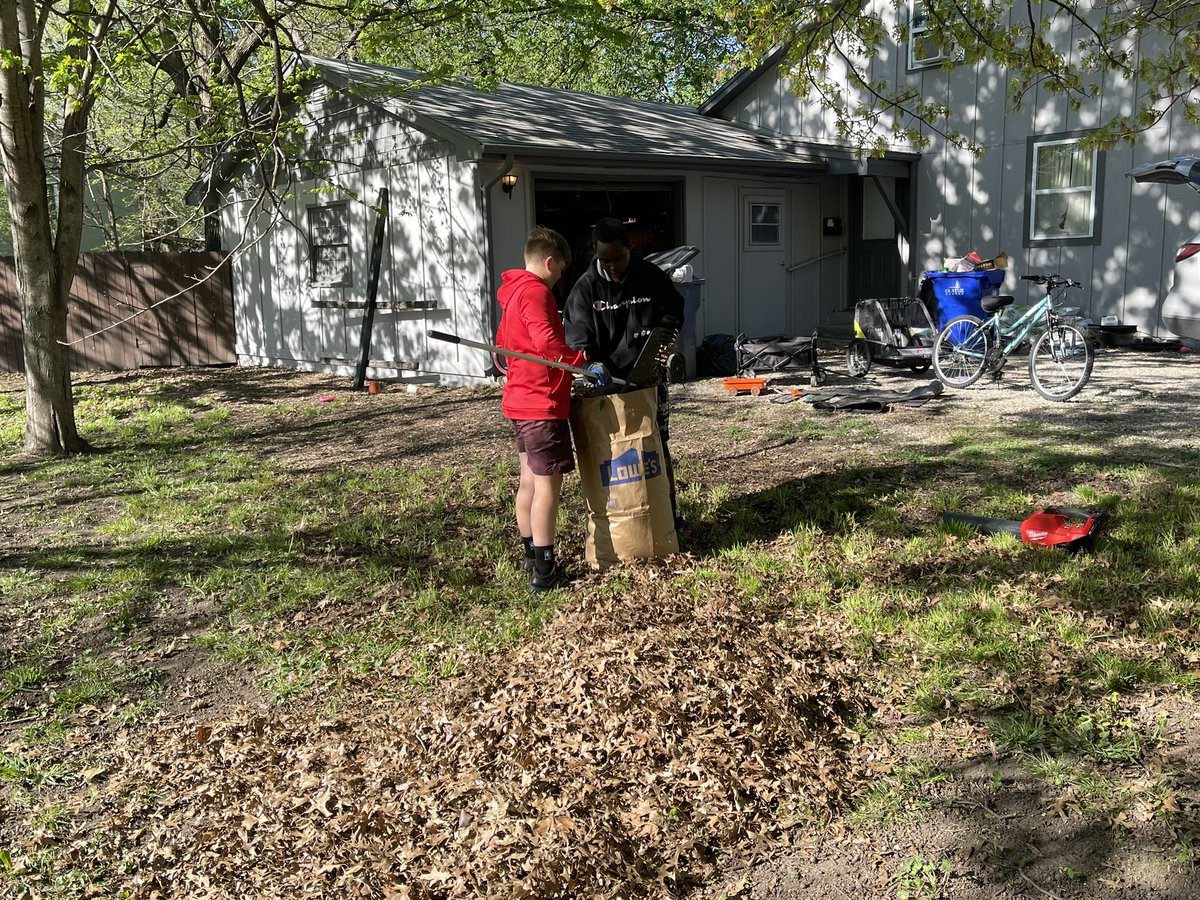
point(613, 308)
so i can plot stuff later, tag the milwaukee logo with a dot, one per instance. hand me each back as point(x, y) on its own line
point(629, 468)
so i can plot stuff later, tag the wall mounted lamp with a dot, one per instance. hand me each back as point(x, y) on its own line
point(507, 183)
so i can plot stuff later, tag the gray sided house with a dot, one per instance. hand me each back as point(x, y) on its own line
point(1036, 193)
point(774, 218)
point(791, 226)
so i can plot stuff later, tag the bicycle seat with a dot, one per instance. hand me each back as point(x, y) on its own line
point(993, 302)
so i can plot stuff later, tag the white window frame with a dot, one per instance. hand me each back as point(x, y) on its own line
point(917, 29)
point(1038, 194)
point(318, 243)
point(751, 242)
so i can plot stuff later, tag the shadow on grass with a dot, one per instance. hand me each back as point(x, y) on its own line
point(298, 569)
point(396, 433)
point(1003, 832)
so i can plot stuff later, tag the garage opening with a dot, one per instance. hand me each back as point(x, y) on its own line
point(653, 212)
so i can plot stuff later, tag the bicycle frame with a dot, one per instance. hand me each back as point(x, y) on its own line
point(1009, 338)
point(1019, 330)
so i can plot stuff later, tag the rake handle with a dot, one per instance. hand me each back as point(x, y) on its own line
point(540, 360)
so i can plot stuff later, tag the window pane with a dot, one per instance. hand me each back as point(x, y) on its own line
point(1063, 166)
point(329, 234)
point(1063, 215)
point(328, 217)
point(329, 244)
point(331, 265)
point(924, 49)
point(765, 220)
point(764, 213)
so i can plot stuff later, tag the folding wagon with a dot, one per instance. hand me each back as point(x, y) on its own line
point(758, 356)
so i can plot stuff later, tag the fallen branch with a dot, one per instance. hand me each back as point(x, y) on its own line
point(1037, 886)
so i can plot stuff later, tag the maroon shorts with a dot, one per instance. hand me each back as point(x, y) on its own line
point(546, 444)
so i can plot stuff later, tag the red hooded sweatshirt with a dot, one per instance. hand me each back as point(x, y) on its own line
point(530, 323)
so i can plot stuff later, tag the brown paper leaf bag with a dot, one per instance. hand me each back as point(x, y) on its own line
point(623, 476)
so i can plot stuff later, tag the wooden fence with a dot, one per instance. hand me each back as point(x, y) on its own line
point(193, 329)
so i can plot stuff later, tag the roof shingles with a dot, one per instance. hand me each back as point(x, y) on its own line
point(528, 120)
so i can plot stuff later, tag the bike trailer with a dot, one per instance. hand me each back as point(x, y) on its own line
point(896, 332)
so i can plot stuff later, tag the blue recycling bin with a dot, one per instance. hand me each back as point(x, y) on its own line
point(960, 293)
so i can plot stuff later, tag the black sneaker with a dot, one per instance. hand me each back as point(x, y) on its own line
point(557, 577)
point(527, 565)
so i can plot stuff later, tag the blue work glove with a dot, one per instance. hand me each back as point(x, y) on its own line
point(602, 378)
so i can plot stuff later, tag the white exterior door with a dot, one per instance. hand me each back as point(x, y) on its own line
point(762, 288)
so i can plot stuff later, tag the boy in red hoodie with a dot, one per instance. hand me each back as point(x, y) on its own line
point(538, 398)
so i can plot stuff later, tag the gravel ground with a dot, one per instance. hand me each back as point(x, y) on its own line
point(1138, 406)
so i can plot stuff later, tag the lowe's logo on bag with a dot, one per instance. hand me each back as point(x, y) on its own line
point(630, 467)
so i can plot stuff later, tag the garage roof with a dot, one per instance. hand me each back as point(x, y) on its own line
point(540, 122)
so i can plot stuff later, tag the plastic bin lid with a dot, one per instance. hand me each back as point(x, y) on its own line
point(994, 277)
point(670, 260)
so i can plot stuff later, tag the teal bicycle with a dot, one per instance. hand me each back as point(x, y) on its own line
point(1060, 357)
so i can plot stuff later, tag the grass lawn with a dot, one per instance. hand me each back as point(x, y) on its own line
point(254, 594)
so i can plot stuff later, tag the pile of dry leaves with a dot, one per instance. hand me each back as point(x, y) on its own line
point(623, 751)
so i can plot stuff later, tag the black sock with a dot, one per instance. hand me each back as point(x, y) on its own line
point(528, 542)
point(543, 560)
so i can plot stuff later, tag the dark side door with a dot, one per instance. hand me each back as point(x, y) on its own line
point(876, 267)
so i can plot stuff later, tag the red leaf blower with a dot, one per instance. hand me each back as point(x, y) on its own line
point(1054, 526)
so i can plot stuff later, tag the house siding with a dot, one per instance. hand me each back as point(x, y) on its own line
point(432, 269)
point(966, 203)
point(452, 231)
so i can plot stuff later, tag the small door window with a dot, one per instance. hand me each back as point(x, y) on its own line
point(878, 224)
point(766, 223)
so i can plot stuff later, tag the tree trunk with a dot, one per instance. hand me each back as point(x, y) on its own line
point(49, 403)
point(43, 280)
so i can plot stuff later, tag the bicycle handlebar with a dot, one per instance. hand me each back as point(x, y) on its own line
point(1052, 282)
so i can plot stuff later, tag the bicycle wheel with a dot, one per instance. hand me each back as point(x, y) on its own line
point(1060, 362)
point(960, 351)
point(858, 358)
